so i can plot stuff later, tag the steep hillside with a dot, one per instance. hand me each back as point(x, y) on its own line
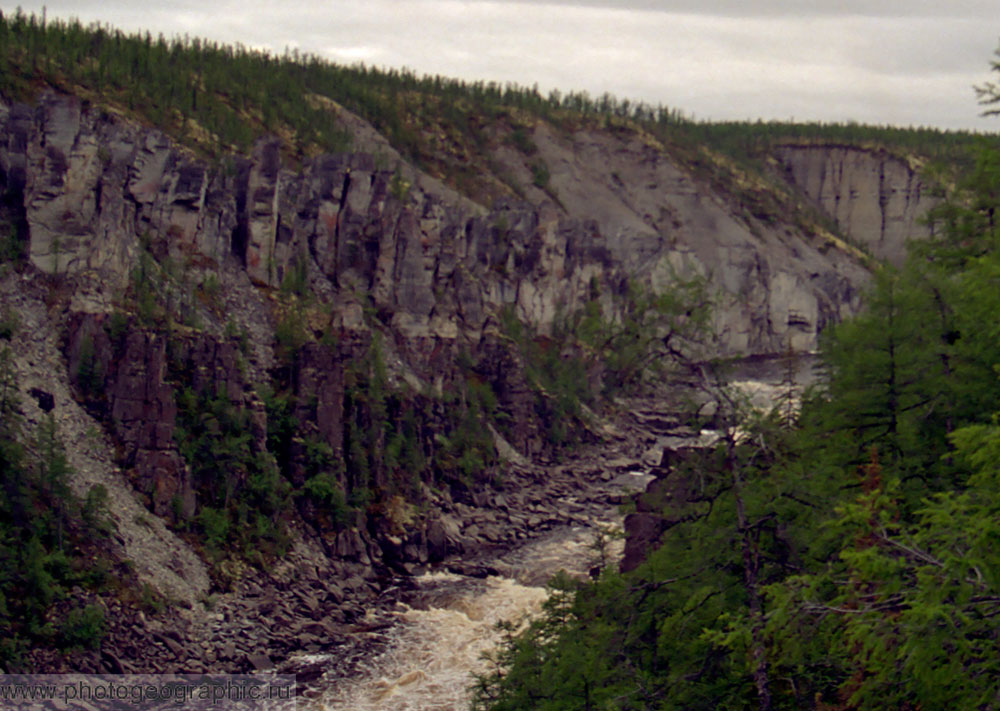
point(298, 371)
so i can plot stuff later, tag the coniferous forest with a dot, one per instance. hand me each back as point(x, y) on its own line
point(841, 555)
point(219, 98)
point(844, 558)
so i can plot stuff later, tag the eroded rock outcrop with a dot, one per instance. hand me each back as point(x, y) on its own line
point(122, 378)
point(98, 189)
point(876, 198)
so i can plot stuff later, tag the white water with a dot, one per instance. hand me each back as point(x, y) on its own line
point(434, 652)
point(433, 649)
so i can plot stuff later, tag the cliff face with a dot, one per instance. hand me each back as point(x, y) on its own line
point(95, 187)
point(156, 278)
point(876, 199)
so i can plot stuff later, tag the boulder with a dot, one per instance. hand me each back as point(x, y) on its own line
point(444, 538)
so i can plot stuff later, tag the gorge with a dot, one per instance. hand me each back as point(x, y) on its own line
point(300, 383)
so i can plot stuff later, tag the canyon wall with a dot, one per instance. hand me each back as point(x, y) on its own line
point(877, 199)
point(96, 189)
point(156, 276)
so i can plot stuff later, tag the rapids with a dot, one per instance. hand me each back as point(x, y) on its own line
point(422, 654)
point(438, 637)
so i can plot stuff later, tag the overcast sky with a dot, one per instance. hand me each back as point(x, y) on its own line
point(900, 62)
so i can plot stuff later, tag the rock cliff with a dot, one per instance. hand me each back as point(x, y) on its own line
point(877, 199)
point(351, 302)
point(95, 187)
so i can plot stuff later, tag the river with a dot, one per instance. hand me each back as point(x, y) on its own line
point(437, 635)
point(422, 654)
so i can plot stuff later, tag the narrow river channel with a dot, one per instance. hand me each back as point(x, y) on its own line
point(438, 635)
point(423, 654)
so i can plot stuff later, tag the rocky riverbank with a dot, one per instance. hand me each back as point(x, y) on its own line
point(308, 603)
point(342, 336)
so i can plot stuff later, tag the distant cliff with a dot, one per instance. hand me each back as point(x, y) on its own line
point(614, 206)
point(878, 199)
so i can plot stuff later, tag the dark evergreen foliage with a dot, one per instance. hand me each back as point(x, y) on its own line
point(847, 563)
point(221, 97)
point(49, 540)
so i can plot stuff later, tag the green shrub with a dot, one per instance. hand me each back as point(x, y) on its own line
point(89, 373)
point(466, 448)
point(215, 525)
point(399, 186)
point(9, 323)
point(290, 333)
point(327, 493)
point(117, 326)
point(519, 138)
point(211, 286)
point(150, 600)
point(296, 278)
point(83, 628)
point(539, 174)
point(12, 247)
point(95, 511)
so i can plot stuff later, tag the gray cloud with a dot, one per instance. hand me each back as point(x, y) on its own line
point(982, 9)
